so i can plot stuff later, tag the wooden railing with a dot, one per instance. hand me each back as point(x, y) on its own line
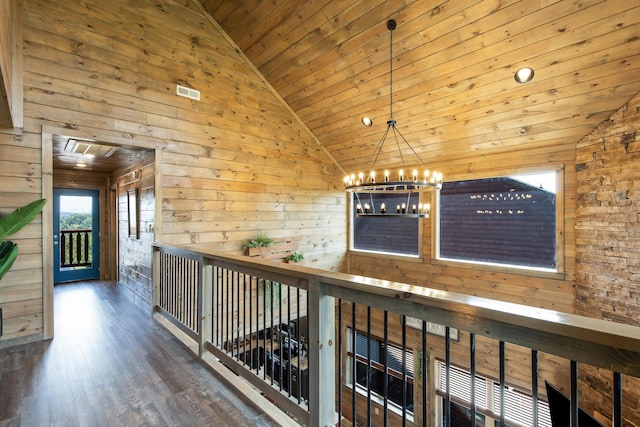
point(75, 248)
point(336, 349)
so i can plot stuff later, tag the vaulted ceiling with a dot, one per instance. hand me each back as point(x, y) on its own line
point(454, 94)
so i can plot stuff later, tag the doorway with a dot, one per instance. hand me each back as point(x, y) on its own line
point(61, 153)
point(76, 235)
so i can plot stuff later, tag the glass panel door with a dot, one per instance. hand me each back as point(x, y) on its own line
point(76, 235)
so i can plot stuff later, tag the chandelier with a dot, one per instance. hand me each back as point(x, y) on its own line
point(401, 181)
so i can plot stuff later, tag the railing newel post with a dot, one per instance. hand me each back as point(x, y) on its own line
point(156, 273)
point(205, 303)
point(322, 356)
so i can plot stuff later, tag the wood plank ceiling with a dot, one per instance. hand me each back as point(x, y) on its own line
point(454, 95)
point(94, 156)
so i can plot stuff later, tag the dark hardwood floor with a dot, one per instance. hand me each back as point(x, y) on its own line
point(111, 364)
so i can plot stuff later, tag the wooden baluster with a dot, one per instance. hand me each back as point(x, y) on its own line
point(85, 236)
point(63, 249)
point(78, 248)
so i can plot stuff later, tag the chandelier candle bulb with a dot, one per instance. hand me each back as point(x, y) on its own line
point(404, 208)
point(383, 208)
point(359, 208)
point(419, 208)
point(414, 209)
point(398, 209)
point(366, 208)
point(415, 175)
point(401, 175)
point(373, 177)
point(386, 176)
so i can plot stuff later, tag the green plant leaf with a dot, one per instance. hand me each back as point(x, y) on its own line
point(8, 255)
point(17, 219)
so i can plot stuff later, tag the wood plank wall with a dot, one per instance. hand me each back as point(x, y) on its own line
point(134, 254)
point(608, 240)
point(21, 294)
point(236, 162)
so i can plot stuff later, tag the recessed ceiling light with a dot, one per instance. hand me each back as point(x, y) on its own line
point(524, 75)
point(367, 121)
point(81, 165)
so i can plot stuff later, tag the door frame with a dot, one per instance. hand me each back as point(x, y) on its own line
point(47, 212)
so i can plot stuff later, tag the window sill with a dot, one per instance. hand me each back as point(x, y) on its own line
point(386, 255)
point(500, 268)
point(392, 407)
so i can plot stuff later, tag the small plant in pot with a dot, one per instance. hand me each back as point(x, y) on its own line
point(262, 239)
point(294, 257)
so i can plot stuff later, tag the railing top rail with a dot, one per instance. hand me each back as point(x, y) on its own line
point(294, 275)
point(597, 342)
point(601, 343)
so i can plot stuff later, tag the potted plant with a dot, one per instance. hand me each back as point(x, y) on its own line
point(295, 256)
point(12, 223)
point(265, 247)
point(261, 240)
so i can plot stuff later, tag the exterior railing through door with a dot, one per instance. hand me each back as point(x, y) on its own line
point(75, 248)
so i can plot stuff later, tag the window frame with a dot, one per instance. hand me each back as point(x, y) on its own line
point(491, 390)
point(375, 396)
point(424, 196)
point(557, 273)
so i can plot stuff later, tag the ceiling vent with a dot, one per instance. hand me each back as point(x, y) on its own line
point(188, 92)
point(89, 148)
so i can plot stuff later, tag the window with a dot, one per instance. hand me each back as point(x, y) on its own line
point(376, 380)
point(518, 405)
point(389, 235)
point(510, 220)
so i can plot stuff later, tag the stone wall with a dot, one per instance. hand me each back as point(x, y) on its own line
point(608, 242)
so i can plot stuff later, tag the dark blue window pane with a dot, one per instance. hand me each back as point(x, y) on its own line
point(380, 234)
point(498, 220)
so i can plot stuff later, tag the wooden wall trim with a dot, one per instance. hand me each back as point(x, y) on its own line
point(110, 139)
point(11, 99)
point(158, 194)
point(47, 235)
point(17, 81)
